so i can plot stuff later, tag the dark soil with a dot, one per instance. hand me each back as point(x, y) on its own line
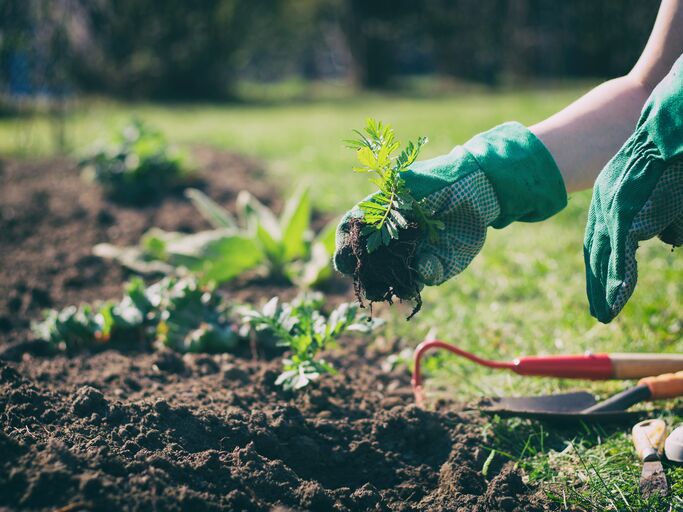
point(145, 430)
point(50, 219)
point(388, 271)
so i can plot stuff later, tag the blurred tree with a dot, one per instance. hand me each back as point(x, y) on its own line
point(373, 30)
point(179, 49)
point(489, 40)
point(34, 47)
point(173, 49)
point(467, 37)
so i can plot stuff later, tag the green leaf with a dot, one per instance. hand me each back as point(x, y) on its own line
point(155, 241)
point(295, 224)
point(391, 229)
point(388, 208)
point(217, 255)
point(367, 158)
point(374, 241)
point(214, 213)
point(317, 269)
point(272, 249)
point(133, 258)
point(327, 236)
point(385, 235)
point(254, 212)
point(399, 219)
point(370, 207)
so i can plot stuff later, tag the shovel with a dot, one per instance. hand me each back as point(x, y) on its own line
point(583, 405)
point(579, 366)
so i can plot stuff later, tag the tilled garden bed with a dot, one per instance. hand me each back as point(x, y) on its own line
point(143, 429)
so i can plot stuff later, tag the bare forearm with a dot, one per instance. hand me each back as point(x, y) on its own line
point(585, 135)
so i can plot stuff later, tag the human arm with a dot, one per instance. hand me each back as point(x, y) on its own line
point(586, 134)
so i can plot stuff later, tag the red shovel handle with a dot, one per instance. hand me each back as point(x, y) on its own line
point(423, 347)
point(582, 366)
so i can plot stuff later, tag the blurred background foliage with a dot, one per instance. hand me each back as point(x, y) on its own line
point(201, 50)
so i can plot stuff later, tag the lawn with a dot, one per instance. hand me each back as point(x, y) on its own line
point(524, 294)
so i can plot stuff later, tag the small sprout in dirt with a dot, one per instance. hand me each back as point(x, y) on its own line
point(178, 313)
point(136, 165)
point(302, 328)
point(384, 239)
point(193, 319)
point(72, 328)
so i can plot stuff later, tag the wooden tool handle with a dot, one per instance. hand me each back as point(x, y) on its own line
point(669, 385)
point(635, 366)
point(647, 437)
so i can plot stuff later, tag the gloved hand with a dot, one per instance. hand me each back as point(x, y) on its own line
point(638, 195)
point(497, 177)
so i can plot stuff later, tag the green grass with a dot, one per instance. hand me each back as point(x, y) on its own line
point(523, 295)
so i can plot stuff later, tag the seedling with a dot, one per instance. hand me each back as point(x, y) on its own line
point(136, 165)
point(192, 318)
point(302, 328)
point(384, 238)
point(393, 207)
point(180, 314)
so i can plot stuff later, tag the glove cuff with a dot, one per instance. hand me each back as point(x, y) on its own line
point(523, 173)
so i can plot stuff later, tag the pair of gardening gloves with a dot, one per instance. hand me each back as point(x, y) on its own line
point(506, 174)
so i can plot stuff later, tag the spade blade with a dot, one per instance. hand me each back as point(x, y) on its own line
point(653, 480)
point(562, 403)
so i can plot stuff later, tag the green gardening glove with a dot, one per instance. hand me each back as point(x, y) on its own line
point(637, 196)
point(497, 177)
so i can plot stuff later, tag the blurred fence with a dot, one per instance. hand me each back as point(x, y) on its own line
point(181, 49)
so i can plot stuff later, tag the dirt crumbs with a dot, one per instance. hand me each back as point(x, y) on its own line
point(159, 431)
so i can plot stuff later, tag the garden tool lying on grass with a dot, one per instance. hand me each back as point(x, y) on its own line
point(673, 447)
point(583, 405)
point(648, 438)
point(580, 366)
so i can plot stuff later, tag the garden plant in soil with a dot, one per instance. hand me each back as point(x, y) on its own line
point(384, 237)
point(137, 426)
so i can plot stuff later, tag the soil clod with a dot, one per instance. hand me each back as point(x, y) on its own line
point(388, 271)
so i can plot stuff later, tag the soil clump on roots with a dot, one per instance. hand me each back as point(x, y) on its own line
point(388, 271)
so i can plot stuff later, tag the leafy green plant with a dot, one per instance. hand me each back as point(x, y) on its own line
point(284, 246)
point(393, 207)
point(193, 319)
point(303, 329)
point(178, 313)
point(76, 327)
point(290, 249)
point(136, 164)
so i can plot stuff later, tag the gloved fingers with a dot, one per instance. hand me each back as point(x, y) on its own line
point(429, 269)
point(465, 208)
point(613, 272)
point(663, 208)
point(597, 252)
point(450, 255)
point(471, 196)
point(673, 234)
